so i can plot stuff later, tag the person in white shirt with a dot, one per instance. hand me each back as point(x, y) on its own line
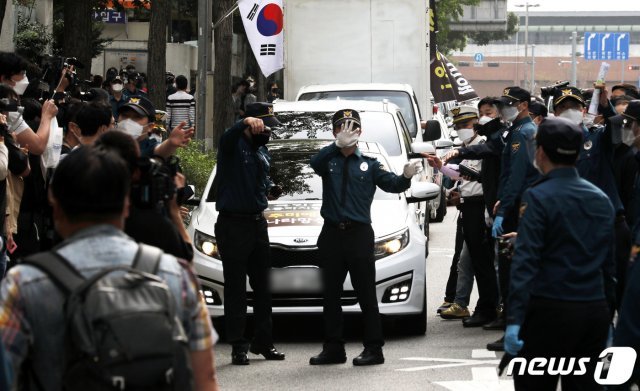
point(181, 106)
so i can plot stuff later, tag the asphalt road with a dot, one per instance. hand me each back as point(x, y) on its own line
point(448, 357)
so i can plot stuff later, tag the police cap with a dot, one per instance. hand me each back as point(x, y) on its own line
point(343, 115)
point(569, 92)
point(141, 106)
point(512, 95)
point(463, 113)
point(264, 111)
point(633, 110)
point(560, 139)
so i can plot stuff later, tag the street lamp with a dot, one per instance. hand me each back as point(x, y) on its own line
point(526, 6)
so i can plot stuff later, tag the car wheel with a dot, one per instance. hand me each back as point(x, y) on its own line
point(442, 209)
point(417, 324)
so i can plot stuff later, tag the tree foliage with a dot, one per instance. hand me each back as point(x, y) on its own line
point(449, 11)
point(31, 39)
point(98, 44)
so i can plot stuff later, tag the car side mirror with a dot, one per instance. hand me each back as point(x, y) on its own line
point(418, 148)
point(443, 144)
point(432, 131)
point(423, 191)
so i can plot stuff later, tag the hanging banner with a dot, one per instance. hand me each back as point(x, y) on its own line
point(441, 86)
point(461, 87)
point(263, 22)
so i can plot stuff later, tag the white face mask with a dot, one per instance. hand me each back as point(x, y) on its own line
point(509, 113)
point(484, 119)
point(117, 87)
point(21, 86)
point(572, 115)
point(131, 127)
point(466, 134)
point(156, 137)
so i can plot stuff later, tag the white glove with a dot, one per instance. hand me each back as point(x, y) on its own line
point(412, 168)
point(348, 136)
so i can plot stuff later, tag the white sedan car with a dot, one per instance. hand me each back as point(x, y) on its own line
point(294, 223)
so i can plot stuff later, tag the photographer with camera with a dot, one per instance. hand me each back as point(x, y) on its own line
point(163, 229)
point(137, 118)
point(13, 75)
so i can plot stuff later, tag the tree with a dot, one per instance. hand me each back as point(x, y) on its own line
point(448, 11)
point(222, 101)
point(98, 44)
point(156, 72)
point(3, 9)
point(77, 27)
point(31, 39)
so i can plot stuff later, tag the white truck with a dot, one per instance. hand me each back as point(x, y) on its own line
point(357, 41)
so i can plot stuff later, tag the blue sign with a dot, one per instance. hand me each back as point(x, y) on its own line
point(109, 16)
point(478, 57)
point(606, 46)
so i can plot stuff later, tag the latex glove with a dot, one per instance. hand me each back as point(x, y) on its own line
point(512, 343)
point(496, 230)
point(348, 136)
point(412, 168)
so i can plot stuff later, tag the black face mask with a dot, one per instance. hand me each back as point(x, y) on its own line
point(260, 140)
point(489, 128)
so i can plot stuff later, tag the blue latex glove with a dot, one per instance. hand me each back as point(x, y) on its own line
point(512, 344)
point(496, 230)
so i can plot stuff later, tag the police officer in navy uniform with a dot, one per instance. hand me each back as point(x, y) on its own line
point(517, 174)
point(595, 164)
point(242, 187)
point(346, 243)
point(562, 273)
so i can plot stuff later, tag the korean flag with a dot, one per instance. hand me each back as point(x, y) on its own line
point(263, 21)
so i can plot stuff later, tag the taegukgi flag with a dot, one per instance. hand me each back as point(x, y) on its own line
point(263, 21)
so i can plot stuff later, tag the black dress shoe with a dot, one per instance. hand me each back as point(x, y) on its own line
point(239, 358)
point(497, 346)
point(268, 353)
point(478, 319)
point(369, 356)
point(328, 356)
point(498, 324)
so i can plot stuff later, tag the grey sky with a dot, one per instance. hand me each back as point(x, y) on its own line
point(576, 5)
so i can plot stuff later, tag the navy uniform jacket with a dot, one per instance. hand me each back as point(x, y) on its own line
point(595, 162)
point(518, 172)
point(241, 174)
point(628, 328)
point(565, 244)
point(349, 184)
point(490, 152)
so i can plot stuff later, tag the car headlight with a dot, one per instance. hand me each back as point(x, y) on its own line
point(391, 245)
point(206, 244)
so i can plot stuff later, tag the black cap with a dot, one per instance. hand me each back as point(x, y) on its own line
point(560, 139)
point(633, 110)
point(141, 106)
point(537, 108)
point(264, 111)
point(116, 80)
point(568, 92)
point(345, 114)
point(512, 95)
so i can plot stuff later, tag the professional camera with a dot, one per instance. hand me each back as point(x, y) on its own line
point(10, 106)
point(156, 185)
point(548, 91)
point(53, 66)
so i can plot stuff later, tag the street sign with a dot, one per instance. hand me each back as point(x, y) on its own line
point(109, 16)
point(606, 46)
point(478, 57)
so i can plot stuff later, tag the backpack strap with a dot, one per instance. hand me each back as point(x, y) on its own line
point(147, 259)
point(58, 268)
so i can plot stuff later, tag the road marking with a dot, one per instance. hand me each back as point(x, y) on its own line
point(483, 379)
point(480, 373)
point(450, 363)
point(482, 353)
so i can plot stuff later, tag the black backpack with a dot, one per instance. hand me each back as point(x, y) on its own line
point(122, 331)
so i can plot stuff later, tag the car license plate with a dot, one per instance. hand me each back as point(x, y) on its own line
point(296, 280)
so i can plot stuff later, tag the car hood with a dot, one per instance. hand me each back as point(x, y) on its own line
point(298, 223)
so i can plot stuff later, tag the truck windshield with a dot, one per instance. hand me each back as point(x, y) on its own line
point(399, 98)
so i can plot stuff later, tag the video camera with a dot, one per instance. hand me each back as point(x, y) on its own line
point(10, 106)
point(548, 91)
point(156, 185)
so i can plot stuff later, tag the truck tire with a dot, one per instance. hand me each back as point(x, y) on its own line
point(442, 209)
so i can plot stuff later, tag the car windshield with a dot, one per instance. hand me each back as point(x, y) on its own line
point(399, 98)
point(378, 127)
point(291, 170)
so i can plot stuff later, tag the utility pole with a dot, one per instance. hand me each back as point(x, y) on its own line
point(574, 60)
point(533, 68)
point(526, 6)
point(204, 65)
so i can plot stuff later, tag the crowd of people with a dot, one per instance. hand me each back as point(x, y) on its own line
point(548, 195)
